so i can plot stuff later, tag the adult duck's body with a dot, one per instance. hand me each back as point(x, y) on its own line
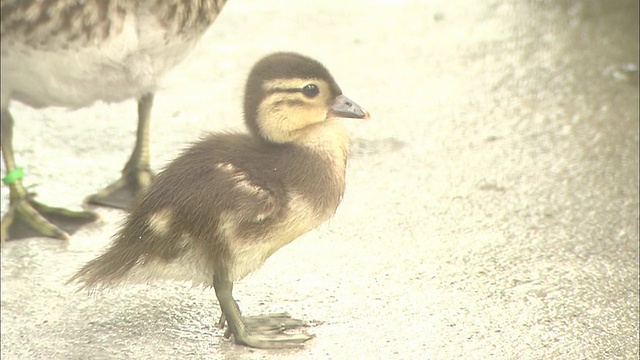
point(220, 209)
point(72, 53)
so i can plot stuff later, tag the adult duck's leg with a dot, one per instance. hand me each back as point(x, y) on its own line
point(259, 332)
point(136, 175)
point(25, 216)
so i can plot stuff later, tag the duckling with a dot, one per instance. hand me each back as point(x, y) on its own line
point(228, 202)
point(73, 53)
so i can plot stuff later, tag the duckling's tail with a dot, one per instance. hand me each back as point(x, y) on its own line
point(108, 269)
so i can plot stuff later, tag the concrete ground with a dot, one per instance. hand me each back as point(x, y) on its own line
point(491, 209)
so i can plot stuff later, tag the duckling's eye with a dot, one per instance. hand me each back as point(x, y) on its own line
point(310, 90)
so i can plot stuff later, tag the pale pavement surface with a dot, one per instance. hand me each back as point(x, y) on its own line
point(491, 208)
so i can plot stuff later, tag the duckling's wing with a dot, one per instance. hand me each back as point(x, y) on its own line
point(247, 197)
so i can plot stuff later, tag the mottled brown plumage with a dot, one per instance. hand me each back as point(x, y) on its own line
point(228, 202)
point(73, 53)
point(51, 24)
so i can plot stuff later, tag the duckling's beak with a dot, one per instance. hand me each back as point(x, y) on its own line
point(345, 108)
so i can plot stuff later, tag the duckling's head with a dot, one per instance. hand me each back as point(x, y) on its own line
point(288, 92)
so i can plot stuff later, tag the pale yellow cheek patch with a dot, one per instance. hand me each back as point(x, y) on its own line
point(160, 222)
point(285, 110)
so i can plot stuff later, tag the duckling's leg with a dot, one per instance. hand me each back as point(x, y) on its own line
point(136, 175)
point(25, 216)
point(248, 332)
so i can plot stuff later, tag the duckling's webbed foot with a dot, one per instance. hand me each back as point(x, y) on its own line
point(265, 331)
point(28, 218)
point(278, 322)
point(273, 340)
point(268, 332)
point(137, 175)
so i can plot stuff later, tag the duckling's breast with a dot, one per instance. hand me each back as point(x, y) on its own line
point(251, 250)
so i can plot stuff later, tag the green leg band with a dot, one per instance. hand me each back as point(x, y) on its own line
point(13, 176)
